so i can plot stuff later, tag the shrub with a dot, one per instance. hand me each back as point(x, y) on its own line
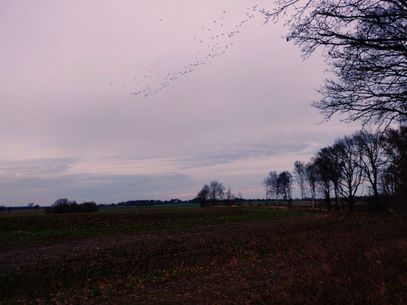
point(64, 205)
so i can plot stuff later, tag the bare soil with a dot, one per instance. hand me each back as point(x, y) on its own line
point(317, 259)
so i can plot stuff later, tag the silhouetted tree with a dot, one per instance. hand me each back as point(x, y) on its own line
point(396, 150)
point(89, 206)
point(373, 159)
point(388, 181)
point(284, 183)
point(301, 177)
point(61, 202)
point(229, 195)
point(64, 205)
point(203, 195)
point(365, 44)
point(351, 172)
point(270, 183)
point(335, 166)
point(322, 163)
point(328, 169)
point(216, 190)
point(312, 178)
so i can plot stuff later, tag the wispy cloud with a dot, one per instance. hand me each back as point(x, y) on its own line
point(101, 188)
point(35, 167)
point(68, 124)
point(111, 179)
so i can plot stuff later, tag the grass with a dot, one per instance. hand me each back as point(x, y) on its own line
point(24, 228)
point(188, 255)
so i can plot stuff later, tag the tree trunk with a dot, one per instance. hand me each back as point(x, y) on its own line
point(351, 204)
point(376, 199)
point(328, 201)
point(336, 198)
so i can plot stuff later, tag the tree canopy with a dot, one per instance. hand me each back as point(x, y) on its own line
point(365, 44)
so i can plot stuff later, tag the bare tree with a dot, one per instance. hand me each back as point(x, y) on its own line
point(388, 181)
point(364, 42)
point(267, 186)
point(322, 163)
point(301, 177)
point(270, 183)
point(335, 165)
point(351, 172)
point(328, 164)
point(312, 178)
point(212, 192)
point(396, 150)
point(229, 195)
point(216, 190)
point(203, 195)
point(373, 159)
point(284, 182)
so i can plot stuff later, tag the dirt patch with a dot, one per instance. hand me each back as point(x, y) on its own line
point(322, 259)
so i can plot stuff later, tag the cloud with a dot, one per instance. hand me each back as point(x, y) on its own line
point(68, 124)
point(35, 167)
point(164, 176)
point(115, 179)
point(100, 188)
point(224, 154)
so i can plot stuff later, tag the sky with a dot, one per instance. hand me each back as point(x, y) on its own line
point(114, 100)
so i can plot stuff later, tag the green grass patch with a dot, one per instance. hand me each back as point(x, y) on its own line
point(29, 228)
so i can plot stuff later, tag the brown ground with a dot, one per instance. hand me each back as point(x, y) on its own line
point(321, 259)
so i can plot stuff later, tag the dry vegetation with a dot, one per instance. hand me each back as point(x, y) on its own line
point(203, 256)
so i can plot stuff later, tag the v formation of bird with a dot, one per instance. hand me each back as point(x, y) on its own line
point(219, 41)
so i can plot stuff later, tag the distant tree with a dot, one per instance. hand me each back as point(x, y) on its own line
point(387, 181)
point(396, 150)
point(229, 195)
point(216, 190)
point(61, 202)
point(322, 163)
point(64, 205)
point(284, 182)
point(203, 195)
point(301, 177)
point(312, 178)
point(270, 183)
point(373, 159)
point(351, 172)
point(86, 207)
point(326, 169)
point(334, 168)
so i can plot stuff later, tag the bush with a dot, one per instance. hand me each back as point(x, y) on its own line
point(62, 206)
point(88, 207)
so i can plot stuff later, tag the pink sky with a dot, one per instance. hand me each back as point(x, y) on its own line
point(69, 126)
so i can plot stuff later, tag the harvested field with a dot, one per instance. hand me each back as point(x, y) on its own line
point(203, 256)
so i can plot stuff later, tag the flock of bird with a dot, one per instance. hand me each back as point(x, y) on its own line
point(219, 39)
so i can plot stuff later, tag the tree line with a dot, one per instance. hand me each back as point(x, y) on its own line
point(63, 205)
point(337, 172)
point(364, 43)
point(215, 192)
